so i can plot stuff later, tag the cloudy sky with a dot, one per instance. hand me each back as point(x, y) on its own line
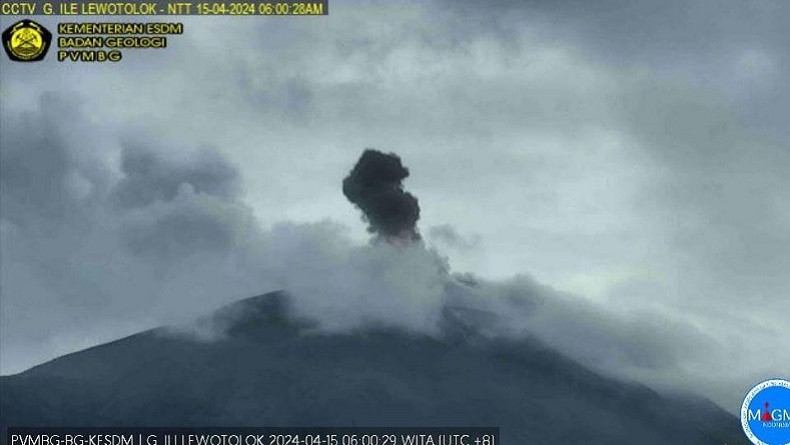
point(633, 154)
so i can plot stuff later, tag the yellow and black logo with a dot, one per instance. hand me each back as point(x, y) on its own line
point(26, 41)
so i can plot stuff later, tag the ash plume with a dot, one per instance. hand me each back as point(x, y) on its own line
point(375, 186)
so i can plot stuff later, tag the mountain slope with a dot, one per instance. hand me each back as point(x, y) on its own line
point(268, 371)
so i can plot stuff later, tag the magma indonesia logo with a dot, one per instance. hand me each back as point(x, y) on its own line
point(765, 413)
point(26, 41)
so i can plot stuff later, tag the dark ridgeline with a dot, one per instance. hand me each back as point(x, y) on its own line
point(270, 370)
point(375, 186)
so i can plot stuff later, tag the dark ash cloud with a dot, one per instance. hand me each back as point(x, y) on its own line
point(375, 186)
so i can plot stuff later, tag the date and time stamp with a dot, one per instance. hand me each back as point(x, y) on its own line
point(254, 436)
point(164, 7)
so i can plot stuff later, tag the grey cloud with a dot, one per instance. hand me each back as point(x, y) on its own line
point(722, 196)
point(642, 32)
point(150, 176)
point(172, 207)
point(699, 97)
point(447, 236)
point(290, 97)
point(71, 253)
point(39, 166)
point(738, 50)
point(191, 223)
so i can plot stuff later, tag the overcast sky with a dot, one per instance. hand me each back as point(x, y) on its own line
point(634, 154)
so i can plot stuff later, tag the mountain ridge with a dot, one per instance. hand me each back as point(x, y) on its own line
point(268, 368)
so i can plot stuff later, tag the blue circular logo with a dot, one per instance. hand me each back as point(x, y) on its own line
point(765, 413)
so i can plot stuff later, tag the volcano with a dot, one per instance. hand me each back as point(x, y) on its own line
point(268, 368)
